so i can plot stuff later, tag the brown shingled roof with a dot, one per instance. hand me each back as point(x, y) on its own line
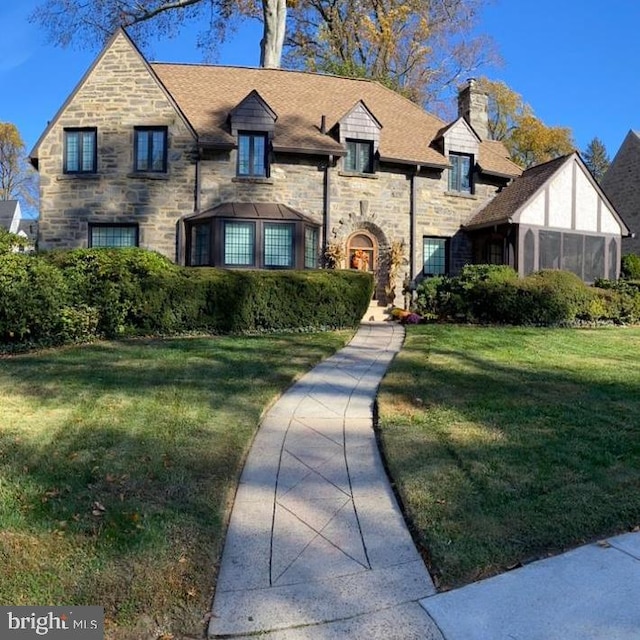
point(494, 159)
point(509, 200)
point(206, 94)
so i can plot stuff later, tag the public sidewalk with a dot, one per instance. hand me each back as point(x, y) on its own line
point(317, 547)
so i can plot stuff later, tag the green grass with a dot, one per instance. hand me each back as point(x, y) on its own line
point(509, 444)
point(117, 466)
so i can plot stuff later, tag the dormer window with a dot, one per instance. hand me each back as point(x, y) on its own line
point(460, 173)
point(359, 158)
point(252, 155)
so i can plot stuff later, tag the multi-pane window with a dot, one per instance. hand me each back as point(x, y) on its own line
point(310, 248)
point(111, 235)
point(80, 151)
point(150, 149)
point(278, 244)
point(495, 251)
point(252, 155)
point(460, 173)
point(435, 256)
point(200, 244)
point(239, 244)
point(359, 158)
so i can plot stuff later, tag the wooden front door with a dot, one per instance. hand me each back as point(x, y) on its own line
point(362, 251)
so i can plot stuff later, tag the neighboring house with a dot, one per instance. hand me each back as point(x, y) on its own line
point(554, 216)
point(621, 183)
point(265, 168)
point(11, 219)
point(10, 215)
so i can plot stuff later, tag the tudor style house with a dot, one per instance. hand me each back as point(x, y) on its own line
point(267, 168)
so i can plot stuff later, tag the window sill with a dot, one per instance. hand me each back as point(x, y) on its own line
point(78, 176)
point(356, 174)
point(148, 175)
point(461, 194)
point(252, 180)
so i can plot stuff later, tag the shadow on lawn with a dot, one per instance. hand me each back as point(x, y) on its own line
point(498, 463)
point(134, 449)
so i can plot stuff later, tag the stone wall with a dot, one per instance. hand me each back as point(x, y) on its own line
point(117, 95)
point(621, 183)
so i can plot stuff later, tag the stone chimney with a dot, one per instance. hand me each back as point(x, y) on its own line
point(473, 105)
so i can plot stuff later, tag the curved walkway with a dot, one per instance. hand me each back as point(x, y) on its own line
point(317, 547)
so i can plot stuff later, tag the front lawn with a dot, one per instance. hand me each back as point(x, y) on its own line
point(117, 463)
point(508, 444)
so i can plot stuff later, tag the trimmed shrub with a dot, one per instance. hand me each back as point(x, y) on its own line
point(110, 281)
point(554, 297)
point(72, 296)
point(137, 291)
point(32, 296)
point(491, 294)
point(630, 269)
point(622, 300)
point(77, 324)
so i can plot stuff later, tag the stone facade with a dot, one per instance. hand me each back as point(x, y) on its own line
point(116, 95)
point(397, 205)
point(621, 183)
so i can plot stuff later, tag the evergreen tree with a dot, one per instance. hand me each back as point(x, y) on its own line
point(596, 158)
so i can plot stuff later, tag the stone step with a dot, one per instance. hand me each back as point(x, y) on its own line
point(377, 313)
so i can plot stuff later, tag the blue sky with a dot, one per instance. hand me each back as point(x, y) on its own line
point(574, 62)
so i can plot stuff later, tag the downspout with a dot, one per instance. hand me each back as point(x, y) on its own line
point(181, 235)
point(326, 205)
point(413, 224)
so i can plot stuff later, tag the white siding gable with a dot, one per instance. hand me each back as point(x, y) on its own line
point(360, 124)
point(571, 200)
point(560, 198)
point(533, 212)
point(460, 138)
point(587, 199)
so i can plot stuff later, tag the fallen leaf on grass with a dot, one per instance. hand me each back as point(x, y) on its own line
point(98, 509)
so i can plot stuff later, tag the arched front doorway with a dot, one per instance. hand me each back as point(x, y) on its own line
point(362, 251)
point(362, 254)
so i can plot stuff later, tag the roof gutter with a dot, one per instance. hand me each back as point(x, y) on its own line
point(413, 163)
point(497, 174)
point(486, 225)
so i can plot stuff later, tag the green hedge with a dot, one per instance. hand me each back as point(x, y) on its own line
point(487, 294)
point(33, 295)
point(224, 301)
point(630, 268)
point(67, 296)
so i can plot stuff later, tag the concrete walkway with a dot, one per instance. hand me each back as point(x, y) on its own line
point(317, 547)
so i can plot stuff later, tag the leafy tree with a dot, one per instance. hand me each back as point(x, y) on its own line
point(415, 46)
point(596, 158)
point(17, 178)
point(85, 22)
point(418, 48)
point(512, 121)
